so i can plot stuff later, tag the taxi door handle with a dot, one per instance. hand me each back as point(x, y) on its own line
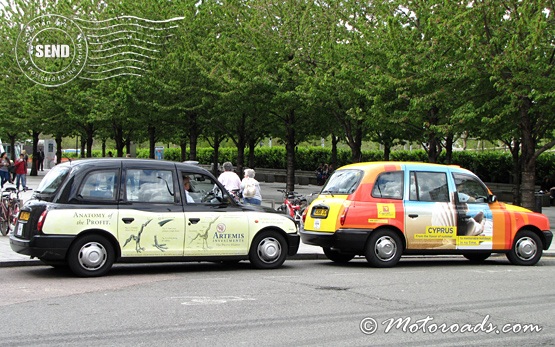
point(194, 220)
point(127, 220)
point(413, 215)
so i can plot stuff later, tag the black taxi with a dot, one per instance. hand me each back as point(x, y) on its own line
point(87, 214)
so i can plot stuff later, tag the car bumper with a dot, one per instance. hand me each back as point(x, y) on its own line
point(43, 247)
point(548, 236)
point(346, 240)
point(293, 240)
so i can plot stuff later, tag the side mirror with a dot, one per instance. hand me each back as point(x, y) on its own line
point(492, 198)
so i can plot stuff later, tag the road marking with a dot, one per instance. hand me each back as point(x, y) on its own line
point(207, 300)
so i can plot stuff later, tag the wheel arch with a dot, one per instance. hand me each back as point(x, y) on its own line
point(271, 228)
point(395, 230)
point(533, 229)
point(109, 236)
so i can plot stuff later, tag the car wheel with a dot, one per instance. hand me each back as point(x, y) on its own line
point(268, 250)
point(477, 257)
point(526, 250)
point(90, 256)
point(383, 248)
point(337, 256)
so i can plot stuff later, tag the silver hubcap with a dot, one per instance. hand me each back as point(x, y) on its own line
point(269, 250)
point(385, 248)
point(526, 248)
point(92, 256)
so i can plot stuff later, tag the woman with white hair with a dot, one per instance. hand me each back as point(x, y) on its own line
point(251, 188)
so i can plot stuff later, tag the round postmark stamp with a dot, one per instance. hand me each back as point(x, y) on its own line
point(51, 50)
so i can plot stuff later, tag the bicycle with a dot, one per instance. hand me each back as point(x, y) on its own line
point(294, 204)
point(10, 205)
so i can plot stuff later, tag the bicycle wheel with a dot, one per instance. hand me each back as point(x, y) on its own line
point(4, 223)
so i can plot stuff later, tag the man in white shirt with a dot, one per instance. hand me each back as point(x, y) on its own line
point(229, 179)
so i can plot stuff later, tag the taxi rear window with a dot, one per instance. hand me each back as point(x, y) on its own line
point(53, 180)
point(389, 185)
point(343, 182)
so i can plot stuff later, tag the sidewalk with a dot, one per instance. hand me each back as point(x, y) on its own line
point(271, 198)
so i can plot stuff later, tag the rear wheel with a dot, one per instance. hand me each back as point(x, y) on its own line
point(384, 248)
point(527, 249)
point(337, 256)
point(268, 250)
point(90, 256)
point(477, 257)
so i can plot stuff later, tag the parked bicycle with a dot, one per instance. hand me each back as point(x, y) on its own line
point(9, 209)
point(294, 204)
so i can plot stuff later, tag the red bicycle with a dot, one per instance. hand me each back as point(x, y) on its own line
point(9, 209)
point(293, 204)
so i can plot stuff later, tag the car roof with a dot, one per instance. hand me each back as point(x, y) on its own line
point(147, 163)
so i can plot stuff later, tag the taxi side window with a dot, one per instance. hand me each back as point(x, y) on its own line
point(389, 185)
point(428, 186)
point(142, 185)
point(200, 189)
point(99, 185)
point(469, 189)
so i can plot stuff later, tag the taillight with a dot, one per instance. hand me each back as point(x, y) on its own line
point(304, 214)
point(40, 223)
point(343, 216)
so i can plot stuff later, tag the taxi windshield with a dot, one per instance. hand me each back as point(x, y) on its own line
point(343, 182)
point(53, 179)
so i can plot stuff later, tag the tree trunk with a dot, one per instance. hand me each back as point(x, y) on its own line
point(449, 149)
point(58, 140)
point(89, 140)
point(290, 149)
point(103, 148)
point(118, 138)
point(152, 142)
point(183, 146)
point(252, 147)
point(34, 164)
point(334, 142)
point(528, 156)
point(386, 151)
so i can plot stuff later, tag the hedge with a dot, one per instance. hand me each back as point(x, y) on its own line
point(490, 166)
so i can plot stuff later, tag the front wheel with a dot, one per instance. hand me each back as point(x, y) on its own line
point(527, 249)
point(268, 250)
point(91, 256)
point(337, 256)
point(384, 248)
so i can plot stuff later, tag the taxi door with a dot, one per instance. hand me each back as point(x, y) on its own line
point(214, 225)
point(151, 219)
point(430, 214)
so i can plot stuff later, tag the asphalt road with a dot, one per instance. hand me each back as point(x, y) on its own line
point(305, 303)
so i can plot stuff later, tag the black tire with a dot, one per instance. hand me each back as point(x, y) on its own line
point(527, 249)
point(4, 227)
point(337, 256)
point(383, 248)
point(268, 250)
point(477, 257)
point(91, 256)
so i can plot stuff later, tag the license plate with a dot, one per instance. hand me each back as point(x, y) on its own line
point(24, 216)
point(320, 212)
point(19, 230)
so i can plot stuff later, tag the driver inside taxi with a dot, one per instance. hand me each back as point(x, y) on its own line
point(187, 187)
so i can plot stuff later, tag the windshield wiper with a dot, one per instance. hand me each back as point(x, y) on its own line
point(328, 192)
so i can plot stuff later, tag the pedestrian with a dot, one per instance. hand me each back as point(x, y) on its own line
point(4, 169)
point(41, 160)
point(250, 188)
point(110, 155)
point(229, 178)
point(21, 172)
point(320, 174)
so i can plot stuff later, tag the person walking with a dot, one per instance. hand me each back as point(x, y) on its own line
point(4, 165)
point(41, 160)
point(229, 179)
point(21, 172)
point(250, 188)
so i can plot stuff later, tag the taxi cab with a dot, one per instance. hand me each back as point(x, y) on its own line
point(383, 210)
point(88, 214)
